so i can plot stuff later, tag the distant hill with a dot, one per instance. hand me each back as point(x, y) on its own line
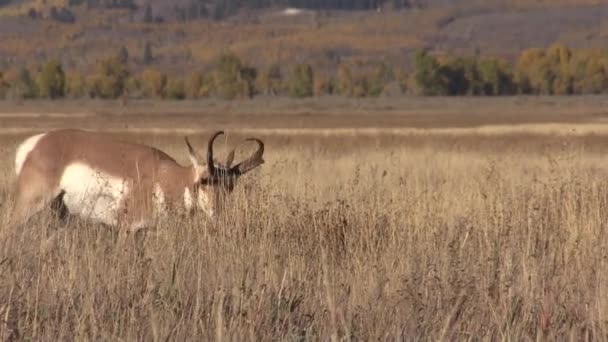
point(188, 34)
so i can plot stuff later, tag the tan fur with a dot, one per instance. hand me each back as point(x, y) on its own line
point(142, 166)
point(136, 174)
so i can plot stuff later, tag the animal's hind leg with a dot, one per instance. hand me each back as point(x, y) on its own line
point(59, 208)
point(28, 202)
point(60, 212)
point(31, 198)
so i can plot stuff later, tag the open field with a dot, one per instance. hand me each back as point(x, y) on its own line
point(331, 112)
point(454, 219)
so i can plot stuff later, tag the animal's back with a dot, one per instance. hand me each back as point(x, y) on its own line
point(102, 142)
point(61, 148)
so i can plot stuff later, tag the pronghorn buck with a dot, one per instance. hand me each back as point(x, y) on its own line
point(119, 183)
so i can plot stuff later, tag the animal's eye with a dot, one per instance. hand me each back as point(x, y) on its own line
point(209, 181)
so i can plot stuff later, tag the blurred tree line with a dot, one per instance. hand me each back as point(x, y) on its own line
point(556, 70)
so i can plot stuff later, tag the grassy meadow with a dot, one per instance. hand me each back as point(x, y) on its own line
point(428, 227)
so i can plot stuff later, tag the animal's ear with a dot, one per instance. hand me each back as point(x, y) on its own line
point(230, 158)
point(194, 157)
point(207, 180)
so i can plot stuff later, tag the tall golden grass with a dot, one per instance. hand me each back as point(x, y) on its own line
point(495, 237)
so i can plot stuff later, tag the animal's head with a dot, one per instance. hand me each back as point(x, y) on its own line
point(216, 180)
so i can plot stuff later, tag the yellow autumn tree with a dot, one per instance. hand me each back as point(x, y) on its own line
point(75, 86)
point(533, 72)
point(344, 81)
point(109, 80)
point(559, 57)
point(175, 89)
point(193, 85)
point(153, 83)
point(590, 72)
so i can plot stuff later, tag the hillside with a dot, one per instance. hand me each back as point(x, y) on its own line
point(30, 34)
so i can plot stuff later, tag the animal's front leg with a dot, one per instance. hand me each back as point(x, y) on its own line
point(132, 216)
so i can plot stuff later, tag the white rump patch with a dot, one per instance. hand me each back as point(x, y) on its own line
point(24, 150)
point(92, 194)
point(202, 201)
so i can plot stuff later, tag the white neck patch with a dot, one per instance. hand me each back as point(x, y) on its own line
point(204, 203)
point(188, 202)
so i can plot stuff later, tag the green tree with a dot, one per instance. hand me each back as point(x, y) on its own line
point(463, 76)
point(231, 78)
point(495, 77)
point(227, 75)
point(429, 77)
point(51, 80)
point(301, 81)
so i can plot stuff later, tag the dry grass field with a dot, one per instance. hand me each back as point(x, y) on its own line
point(450, 232)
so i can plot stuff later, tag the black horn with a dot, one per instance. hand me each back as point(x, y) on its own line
point(210, 163)
point(252, 162)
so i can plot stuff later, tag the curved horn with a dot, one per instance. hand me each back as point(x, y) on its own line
point(210, 164)
point(252, 162)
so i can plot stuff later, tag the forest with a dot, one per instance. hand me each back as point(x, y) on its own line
point(557, 70)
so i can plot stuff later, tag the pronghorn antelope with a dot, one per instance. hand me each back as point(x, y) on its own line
point(116, 182)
